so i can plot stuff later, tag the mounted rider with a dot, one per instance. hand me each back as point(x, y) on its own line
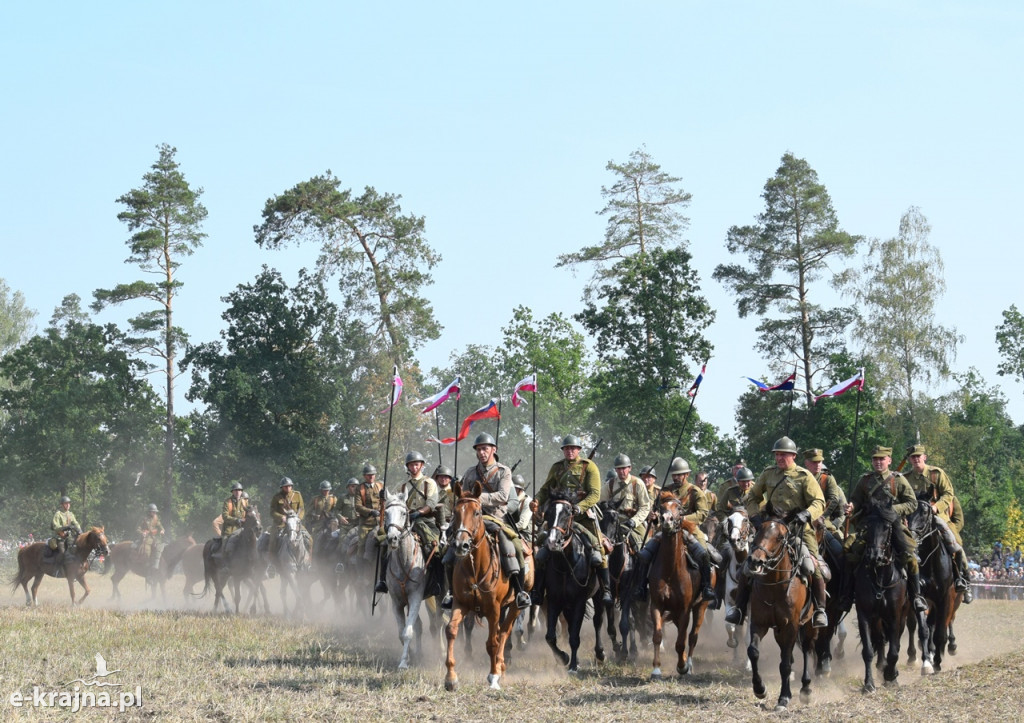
point(835, 499)
point(628, 496)
point(64, 526)
point(889, 495)
point(368, 510)
point(790, 492)
point(322, 508)
point(286, 502)
point(234, 510)
point(580, 479)
point(495, 480)
point(694, 508)
point(445, 497)
point(523, 516)
point(650, 480)
point(730, 501)
point(421, 499)
point(152, 532)
point(346, 510)
point(933, 485)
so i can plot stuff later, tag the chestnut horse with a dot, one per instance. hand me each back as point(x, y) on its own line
point(124, 561)
point(675, 586)
point(31, 564)
point(780, 601)
point(480, 585)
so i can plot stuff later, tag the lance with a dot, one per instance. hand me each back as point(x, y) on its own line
point(455, 464)
point(533, 518)
point(679, 439)
point(853, 456)
point(437, 426)
point(792, 395)
point(497, 428)
point(384, 485)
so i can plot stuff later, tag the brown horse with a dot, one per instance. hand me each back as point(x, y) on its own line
point(479, 585)
point(192, 566)
point(675, 586)
point(779, 600)
point(237, 561)
point(32, 564)
point(124, 561)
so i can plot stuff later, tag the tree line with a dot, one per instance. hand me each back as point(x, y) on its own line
point(296, 383)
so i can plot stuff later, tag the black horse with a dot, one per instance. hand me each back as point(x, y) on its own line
point(881, 596)
point(937, 587)
point(570, 582)
point(622, 564)
point(832, 551)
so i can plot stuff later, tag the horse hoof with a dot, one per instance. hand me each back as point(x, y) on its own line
point(868, 688)
point(781, 709)
point(951, 650)
point(493, 681)
point(732, 643)
point(927, 670)
point(564, 657)
point(760, 694)
point(574, 672)
point(805, 697)
point(892, 683)
point(656, 674)
point(451, 685)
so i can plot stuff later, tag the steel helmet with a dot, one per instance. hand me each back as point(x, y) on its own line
point(286, 482)
point(609, 475)
point(622, 460)
point(744, 475)
point(152, 508)
point(414, 457)
point(236, 486)
point(245, 495)
point(369, 469)
point(571, 440)
point(519, 481)
point(64, 499)
point(443, 471)
point(785, 444)
point(325, 485)
point(679, 466)
point(484, 438)
point(647, 471)
point(352, 482)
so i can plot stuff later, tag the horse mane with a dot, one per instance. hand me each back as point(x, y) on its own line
point(559, 496)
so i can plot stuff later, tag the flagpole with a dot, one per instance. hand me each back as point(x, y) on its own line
point(437, 425)
point(497, 429)
point(533, 518)
point(383, 487)
point(458, 397)
point(679, 439)
point(853, 456)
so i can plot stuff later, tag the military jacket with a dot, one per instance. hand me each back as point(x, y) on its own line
point(524, 516)
point(730, 500)
point(233, 513)
point(877, 490)
point(63, 519)
point(368, 504)
point(496, 482)
point(446, 501)
point(347, 508)
point(834, 498)
point(280, 505)
point(786, 491)
point(151, 526)
point(322, 508)
point(629, 497)
point(712, 500)
point(581, 477)
point(695, 505)
point(422, 492)
point(933, 485)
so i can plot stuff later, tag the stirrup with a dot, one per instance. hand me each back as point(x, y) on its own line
point(968, 595)
point(447, 602)
point(381, 586)
point(708, 593)
point(523, 600)
point(819, 619)
point(919, 604)
point(734, 616)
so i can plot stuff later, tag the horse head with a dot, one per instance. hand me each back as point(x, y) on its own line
point(878, 541)
point(769, 546)
point(920, 520)
point(468, 521)
point(669, 513)
point(396, 517)
point(738, 531)
point(94, 541)
point(558, 518)
point(252, 521)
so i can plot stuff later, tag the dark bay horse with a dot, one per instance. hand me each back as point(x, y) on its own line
point(832, 551)
point(479, 585)
point(237, 561)
point(880, 593)
point(675, 586)
point(124, 561)
point(780, 601)
point(937, 588)
point(33, 564)
point(569, 582)
point(623, 568)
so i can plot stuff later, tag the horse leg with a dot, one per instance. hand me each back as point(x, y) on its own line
point(786, 638)
point(599, 613)
point(657, 620)
point(71, 586)
point(495, 646)
point(912, 637)
point(625, 633)
point(116, 579)
point(575, 628)
point(924, 639)
point(696, 621)
point(867, 653)
point(894, 631)
point(939, 633)
point(552, 635)
point(951, 640)
point(451, 631)
point(81, 581)
point(35, 590)
point(840, 651)
point(823, 652)
point(753, 653)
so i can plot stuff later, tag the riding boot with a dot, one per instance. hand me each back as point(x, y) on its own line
point(820, 619)
point(540, 557)
point(606, 585)
point(650, 550)
point(847, 592)
point(738, 612)
point(914, 588)
point(963, 578)
point(448, 601)
point(723, 572)
point(700, 555)
point(382, 583)
point(522, 597)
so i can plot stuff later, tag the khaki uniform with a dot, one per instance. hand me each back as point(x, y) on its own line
point(348, 518)
point(321, 510)
point(445, 504)
point(835, 501)
point(62, 519)
point(933, 485)
point(695, 508)
point(730, 500)
point(496, 483)
point(281, 504)
point(152, 534)
point(233, 514)
point(630, 498)
point(875, 490)
point(581, 480)
point(422, 492)
point(956, 520)
point(787, 491)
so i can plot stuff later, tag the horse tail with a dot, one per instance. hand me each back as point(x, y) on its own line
point(17, 579)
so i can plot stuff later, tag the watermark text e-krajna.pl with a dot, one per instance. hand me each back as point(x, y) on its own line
point(76, 699)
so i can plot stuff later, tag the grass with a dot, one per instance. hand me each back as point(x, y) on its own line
point(195, 666)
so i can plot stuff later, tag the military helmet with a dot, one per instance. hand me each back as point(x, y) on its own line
point(484, 438)
point(369, 469)
point(64, 499)
point(152, 508)
point(622, 460)
point(352, 482)
point(571, 440)
point(414, 457)
point(443, 471)
point(325, 485)
point(236, 486)
point(647, 471)
point(519, 481)
point(245, 495)
point(679, 466)
point(609, 475)
point(286, 482)
point(743, 474)
point(784, 444)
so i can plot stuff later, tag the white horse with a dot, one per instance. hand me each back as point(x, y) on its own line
point(292, 562)
point(738, 533)
point(406, 574)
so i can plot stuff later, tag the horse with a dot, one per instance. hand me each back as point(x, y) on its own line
point(406, 574)
point(192, 567)
point(937, 588)
point(236, 559)
point(675, 586)
point(623, 568)
point(738, 533)
point(832, 552)
point(124, 561)
point(880, 593)
point(33, 564)
point(569, 583)
point(480, 585)
point(781, 601)
point(291, 561)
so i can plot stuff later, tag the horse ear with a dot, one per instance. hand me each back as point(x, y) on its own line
point(477, 489)
point(457, 490)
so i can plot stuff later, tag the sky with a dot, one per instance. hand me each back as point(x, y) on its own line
point(495, 123)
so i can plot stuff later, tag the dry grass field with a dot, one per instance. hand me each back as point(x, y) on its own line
point(192, 665)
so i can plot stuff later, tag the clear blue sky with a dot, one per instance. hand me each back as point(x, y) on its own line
point(495, 123)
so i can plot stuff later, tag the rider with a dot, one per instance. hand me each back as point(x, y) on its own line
point(891, 496)
point(932, 484)
point(445, 496)
point(730, 501)
point(421, 499)
point(628, 496)
point(152, 537)
point(63, 523)
point(322, 508)
point(703, 483)
point(286, 501)
point(523, 516)
point(835, 500)
point(495, 479)
point(650, 480)
point(790, 492)
point(234, 510)
point(581, 480)
point(694, 508)
point(347, 513)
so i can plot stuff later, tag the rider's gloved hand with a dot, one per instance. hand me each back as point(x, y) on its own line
point(803, 517)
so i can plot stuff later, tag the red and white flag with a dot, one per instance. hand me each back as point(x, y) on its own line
point(488, 411)
point(854, 382)
point(441, 397)
point(527, 384)
point(397, 386)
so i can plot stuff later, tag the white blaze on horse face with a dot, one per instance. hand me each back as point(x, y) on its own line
point(559, 525)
